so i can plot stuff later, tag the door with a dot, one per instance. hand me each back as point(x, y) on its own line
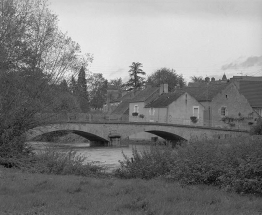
point(207, 117)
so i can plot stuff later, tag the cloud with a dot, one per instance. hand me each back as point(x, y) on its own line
point(252, 61)
point(247, 63)
point(117, 72)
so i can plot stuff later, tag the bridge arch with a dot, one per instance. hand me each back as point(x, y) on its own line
point(90, 134)
point(164, 132)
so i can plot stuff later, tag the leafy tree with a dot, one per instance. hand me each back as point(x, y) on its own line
point(73, 86)
point(166, 76)
point(82, 92)
point(98, 89)
point(118, 83)
point(197, 79)
point(34, 57)
point(81, 81)
point(63, 86)
point(136, 80)
point(30, 38)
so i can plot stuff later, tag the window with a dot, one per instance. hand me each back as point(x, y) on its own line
point(196, 111)
point(223, 111)
point(136, 108)
point(151, 111)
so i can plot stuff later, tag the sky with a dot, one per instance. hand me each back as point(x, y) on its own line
point(194, 37)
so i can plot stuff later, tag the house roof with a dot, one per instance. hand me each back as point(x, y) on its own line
point(143, 95)
point(122, 108)
point(252, 90)
point(206, 92)
point(128, 95)
point(165, 99)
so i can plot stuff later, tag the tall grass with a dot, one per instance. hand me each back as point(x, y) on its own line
point(232, 164)
point(50, 161)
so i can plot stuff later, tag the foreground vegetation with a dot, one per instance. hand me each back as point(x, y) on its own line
point(231, 164)
point(177, 181)
point(47, 194)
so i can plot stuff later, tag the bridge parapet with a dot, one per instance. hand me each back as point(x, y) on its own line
point(47, 118)
point(79, 117)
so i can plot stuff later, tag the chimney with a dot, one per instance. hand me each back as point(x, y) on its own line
point(161, 90)
point(165, 88)
point(207, 79)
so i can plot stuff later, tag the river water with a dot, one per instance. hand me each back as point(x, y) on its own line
point(106, 156)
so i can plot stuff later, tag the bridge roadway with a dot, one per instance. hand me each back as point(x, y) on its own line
point(112, 132)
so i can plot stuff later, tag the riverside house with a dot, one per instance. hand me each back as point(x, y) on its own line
point(224, 106)
point(177, 107)
point(141, 99)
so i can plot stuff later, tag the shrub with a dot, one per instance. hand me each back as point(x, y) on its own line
point(50, 161)
point(193, 119)
point(234, 164)
point(141, 116)
point(146, 164)
point(134, 114)
point(257, 129)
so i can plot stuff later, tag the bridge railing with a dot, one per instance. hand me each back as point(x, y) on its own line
point(79, 117)
point(100, 118)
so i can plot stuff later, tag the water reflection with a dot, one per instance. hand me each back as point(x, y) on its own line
point(108, 156)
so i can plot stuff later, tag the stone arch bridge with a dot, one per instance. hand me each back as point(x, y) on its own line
point(112, 132)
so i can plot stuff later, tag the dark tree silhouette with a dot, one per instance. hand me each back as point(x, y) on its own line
point(98, 89)
point(82, 92)
point(197, 79)
point(73, 86)
point(136, 80)
point(166, 76)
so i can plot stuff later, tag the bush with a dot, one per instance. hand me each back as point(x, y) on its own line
point(232, 164)
point(141, 116)
point(14, 151)
point(193, 119)
point(146, 164)
point(50, 161)
point(257, 129)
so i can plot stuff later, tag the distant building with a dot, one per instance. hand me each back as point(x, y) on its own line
point(176, 108)
point(222, 100)
point(142, 98)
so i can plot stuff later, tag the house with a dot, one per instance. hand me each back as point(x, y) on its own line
point(252, 90)
point(177, 107)
point(224, 105)
point(142, 98)
point(115, 97)
point(113, 93)
point(245, 78)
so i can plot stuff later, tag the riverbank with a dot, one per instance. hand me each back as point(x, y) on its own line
point(25, 194)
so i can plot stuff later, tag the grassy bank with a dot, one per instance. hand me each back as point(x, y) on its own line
point(28, 194)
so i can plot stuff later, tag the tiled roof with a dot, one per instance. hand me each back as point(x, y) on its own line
point(122, 107)
point(206, 92)
point(165, 99)
point(143, 95)
point(252, 90)
point(128, 95)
